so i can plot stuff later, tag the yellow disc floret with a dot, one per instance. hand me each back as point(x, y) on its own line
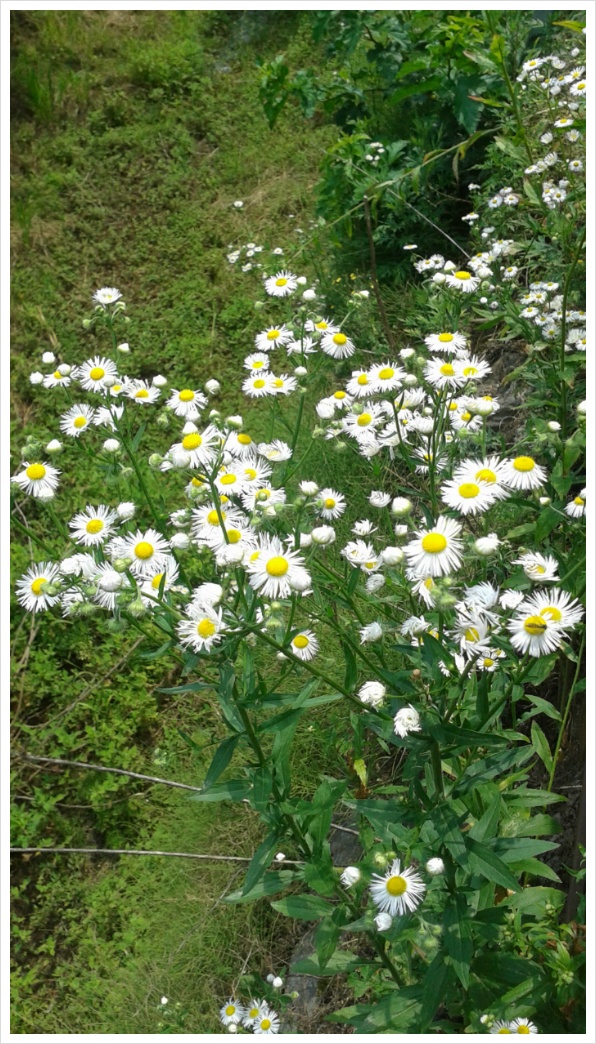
point(206, 629)
point(396, 885)
point(192, 441)
point(186, 395)
point(524, 464)
point(433, 543)
point(300, 641)
point(277, 566)
point(35, 472)
point(37, 585)
point(144, 549)
point(535, 625)
point(95, 525)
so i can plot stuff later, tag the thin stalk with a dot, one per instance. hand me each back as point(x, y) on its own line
point(566, 715)
point(373, 275)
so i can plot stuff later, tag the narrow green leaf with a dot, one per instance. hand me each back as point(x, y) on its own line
point(457, 937)
point(273, 881)
point(231, 790)
point(221, 759)
point(326, 938)
point(483, 861)
point(341, 961)
point(259, 863)
point(541, 746)
point(303, 907)
point(434, 987)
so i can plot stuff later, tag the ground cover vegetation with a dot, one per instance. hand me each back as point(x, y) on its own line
point(271, 538)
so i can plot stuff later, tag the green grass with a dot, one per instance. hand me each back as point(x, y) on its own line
point(132, 135)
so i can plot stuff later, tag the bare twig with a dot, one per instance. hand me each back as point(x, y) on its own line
point(143, 852)
point(104, 768)
point(373, 274)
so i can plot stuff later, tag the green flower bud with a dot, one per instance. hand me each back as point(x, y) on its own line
point(126, 473)
point(163, 420)
point(121, 564)
point(86, 324)
point(155, 461)
point(136, 608)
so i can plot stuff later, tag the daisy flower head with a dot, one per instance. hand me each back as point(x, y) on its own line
point(538, 567)
point(148, 551)
point(371, 632)
point(522, 1026)
point(282, 385)
point(252, 1011)
point(304, 645)
point(93, 526)
point(373, 693)
point(38, 480)
point(360, 384)
point(406, 720)
point(276, 451)
point(379, 499)
point(76, 419)
point(437, 551)
point(272, 568)
point(266, 1023)
point(200, 630)
point(386, 376)
point(463, 281)
point(52, 380)
point(533, 633)
point(337, 345)
point(256, 361)
point(142, 392)
point(489, 661)
point(471, 368)
point(230, 481)
point(556, 606)
point(257, 385)
point(186, 403)
point(200, 446)
point(523, 473)
point(399, 891)
point(282, 284)
point(240, 444)
point(487, 472)
point(501, 1026)
point(446, 342)
point(107, 295)
point(443, 374)
point(350, 876)
point(469, 498)
point(263, 496)
point(232, 1012)
point(358, 425)
point(576, 508)
point(273, 337)
point(320, 326)
point(333, 504)
point(358, 552)
point(92, 373)
point(29, 588)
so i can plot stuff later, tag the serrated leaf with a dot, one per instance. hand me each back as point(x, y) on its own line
point(360, 770)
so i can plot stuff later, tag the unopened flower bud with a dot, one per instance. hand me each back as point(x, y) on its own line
point(124, 348)
point(383, 922)
point(180, 541)
point(401, 506)
point(553, 426)
point(159, 381)
point(111, 446)
point(54, 446)
point(487, 545)
point(234, 422)
point(300, 371)
point(36, 378)
point(48, 357)
point(435, 866)
point(156, 460)
point(212, 386)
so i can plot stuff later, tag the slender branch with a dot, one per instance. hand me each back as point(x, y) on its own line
point(373, 275)
point(143, 852)
point(104, 768)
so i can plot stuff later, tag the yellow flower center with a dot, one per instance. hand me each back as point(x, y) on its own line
point(260, 383)
point(79, 422)
point(339, 395)
point(95, 525)
point(231, 1008)
point(487, 662)
point(250, 473)
point(142, 394)
point(433, 543)
point(272, 335)
point(464, 276)
point(329, 503)
point(277, 383)
point(466, 417)
point(504, 1030)
point(362, 380)
point(396, 885)
point(445, 338)
point(206, 629)
point(35, 472)
point(213, 517)
point(469, 371)
point(234, 535)
point(255, 555)
point(370, 565)
point(386, 373)
point(522, 1029)
point(579, 501)
point(281, 282)
point(524, 464)
point(339, 338)
point(97, 373)
point(144, 549)
point(364, 419)
point(552, 613)
point(471, 635)
point(277, 566)
point(265, 1024)
point(539, 569)
point(300, 641)
point(267, 492)
point(257, 364)
point(186, 395)
point(191, 441)
point(228, 480)
point(37, 585)
point(116, 387)
point(156, 581)
point(322, 325)
point(535, 625)
point(244, 440)
point(453, 406)
point(429, 583)
point(447, 370)
point(57, 375)
point(486, 475)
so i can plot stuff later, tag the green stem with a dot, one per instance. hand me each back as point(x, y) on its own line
point(566, 715)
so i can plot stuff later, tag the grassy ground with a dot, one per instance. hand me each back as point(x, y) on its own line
point(132, 135)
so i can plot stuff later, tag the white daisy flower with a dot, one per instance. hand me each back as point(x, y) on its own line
point(488, 472)
point(467, 497)
point(373, 693)
point(107, 295)
point(272, 568)
point(489, 661)
point(276, 451)
point(386, 376)
point(93, 526)
point(282, 385)
point(266, 1023)
point(232, 1012)
point(360, 384)
point(240, 444)
point(281, 284)
point(304, 645)
point(200, 446)
point(576, 508)
point(148, 551)
point(206, 523)
point(273, 337)
point(399, 891)
point(200, 630)
point(357, 552)
point(38, 480)
point(462, 280)
point(304, 346)
point(320, 326)
point(521, 1025)
point(29, 588)
point(523, 473)
point(142, 392)
point(383, 922)
point(556, 606)
point(446, 342)
point(252, 1012)
point(230, 481)
point(350, 876)
point(405, 721)
point(371, 632)
point(511, 599)
point(255, 471)
point(186, 403)
point(436, 552)
point(443, 374)
point(106, 416)
point(538, 567)
point(337, 345)
point(333, 504)
point(256, 361)
point(164, 581)
point(257, 386)
point(379, 499)
point(532, 633)
point(76, 419)
point(363, 528)
point(501, 1026)
point(91, 374)
point(263, 496)
point(472, 369)
point(52, 380)
point(362, 424)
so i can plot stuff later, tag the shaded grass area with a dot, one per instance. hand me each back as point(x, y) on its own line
point(133, 132)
